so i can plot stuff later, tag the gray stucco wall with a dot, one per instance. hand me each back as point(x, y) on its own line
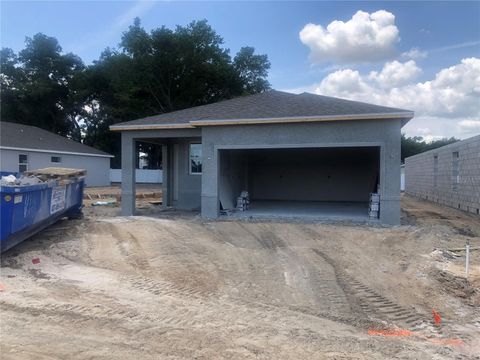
point(186, 187)
point(420, 175)
point(382, 133)
point(98, 168)
point(232, 176)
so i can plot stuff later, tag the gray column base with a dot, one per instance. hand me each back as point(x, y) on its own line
point(390, 211)
point(128, 204)
point(210, 207)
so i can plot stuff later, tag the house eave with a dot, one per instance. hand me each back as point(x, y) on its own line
point(55, 151)
point(303, 119)
point(151, 127)
point(405, 116)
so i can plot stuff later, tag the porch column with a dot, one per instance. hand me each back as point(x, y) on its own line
point(165, 177)
point(128, 174)
point(210, 202)
point(390, 180)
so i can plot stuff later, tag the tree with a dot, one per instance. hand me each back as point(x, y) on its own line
point(38, 86)
point(252, 69)
point(416, 145)
point(162, 71)
point(149, 73)
point(11, 78)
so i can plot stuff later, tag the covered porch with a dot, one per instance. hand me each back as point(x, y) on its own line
point(181, 186)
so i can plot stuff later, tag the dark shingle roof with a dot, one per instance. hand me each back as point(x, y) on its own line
point(30, 137)
point(270, 104)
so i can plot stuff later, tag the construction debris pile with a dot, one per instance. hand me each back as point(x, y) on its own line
point(243, 201)
point(40, 176)
point(12, 180)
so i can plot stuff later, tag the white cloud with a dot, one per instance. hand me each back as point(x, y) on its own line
point(395, 74)
point(415, 53)
point(449, 104)
point(344, 83)
point(469, 124)
point(455, 46)
point(424, 131)
point(365, 37)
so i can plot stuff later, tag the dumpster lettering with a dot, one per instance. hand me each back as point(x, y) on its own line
point(58, 199)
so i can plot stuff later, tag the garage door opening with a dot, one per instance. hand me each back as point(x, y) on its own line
point(331, 183)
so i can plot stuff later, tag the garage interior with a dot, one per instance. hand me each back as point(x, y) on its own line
point(331, 182)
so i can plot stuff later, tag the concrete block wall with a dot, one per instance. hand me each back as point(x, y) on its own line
point(421, 182)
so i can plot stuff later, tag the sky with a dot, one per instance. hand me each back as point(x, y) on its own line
point(420, 56)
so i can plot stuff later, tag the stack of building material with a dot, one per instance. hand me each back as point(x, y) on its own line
point(243, 201)
point(374, 206)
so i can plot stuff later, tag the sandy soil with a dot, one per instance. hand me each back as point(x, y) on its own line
point(173, 286)
point(143, 191)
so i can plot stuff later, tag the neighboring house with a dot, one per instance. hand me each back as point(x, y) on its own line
point(24, 147)
point(449, 175)
point(297, 155)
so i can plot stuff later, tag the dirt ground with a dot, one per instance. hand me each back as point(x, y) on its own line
point(172, 286)
point(114, 191)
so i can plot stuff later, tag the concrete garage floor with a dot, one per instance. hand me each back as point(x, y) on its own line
point(312, 210)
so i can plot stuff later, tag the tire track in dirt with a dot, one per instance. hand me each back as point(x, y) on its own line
point(376, 306)
point(226, 310)
point(156, 287)
point(267, 239)
point(78, 313)
point(367, 304)
point(119, 314)
point(370, 306)
point(329, 293)
point(135, 255)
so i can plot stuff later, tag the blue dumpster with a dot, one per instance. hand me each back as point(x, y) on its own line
point(26, 210)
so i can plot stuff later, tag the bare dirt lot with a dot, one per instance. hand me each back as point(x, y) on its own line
point(173, 286)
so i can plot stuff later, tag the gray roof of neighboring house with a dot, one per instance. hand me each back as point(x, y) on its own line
point(27, 137)
point(267, 105)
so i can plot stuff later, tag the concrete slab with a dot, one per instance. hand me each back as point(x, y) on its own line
point(312, 210)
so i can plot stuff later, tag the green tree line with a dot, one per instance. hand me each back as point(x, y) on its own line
point(148, 73)
point(416, 145)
